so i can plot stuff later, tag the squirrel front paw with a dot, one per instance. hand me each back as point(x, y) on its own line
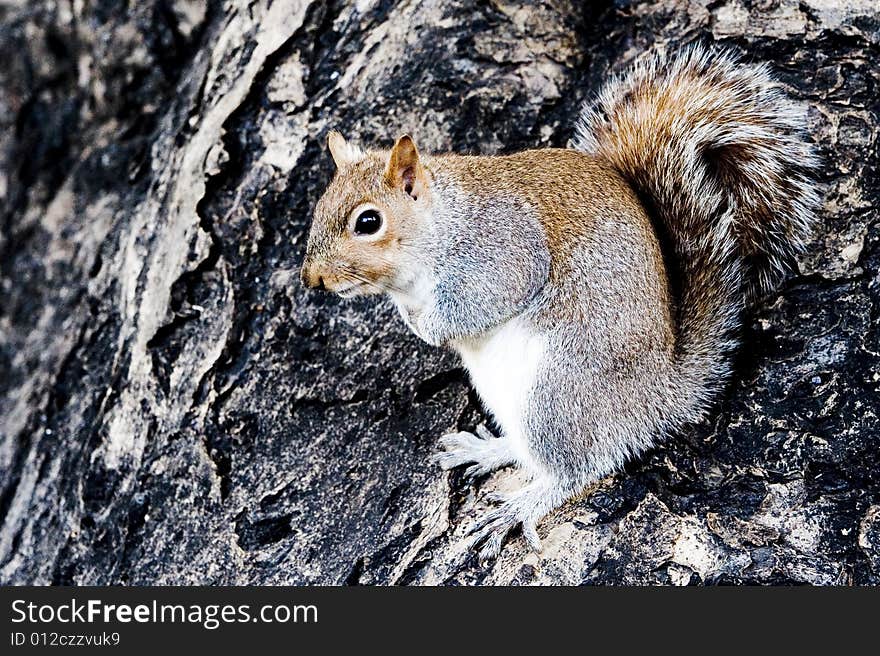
point(484, 450)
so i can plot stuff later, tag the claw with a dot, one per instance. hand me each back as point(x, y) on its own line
point(445, 459)
point(496, 497)
point(499, 526)
point(475, 471)
point(450, 440)
point(484, 433)
point(530, 533)
point(492, 547)
point(488, 518)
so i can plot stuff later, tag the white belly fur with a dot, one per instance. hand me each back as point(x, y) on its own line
point(503, 366)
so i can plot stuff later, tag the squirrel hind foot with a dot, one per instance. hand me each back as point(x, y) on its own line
point(523, 508)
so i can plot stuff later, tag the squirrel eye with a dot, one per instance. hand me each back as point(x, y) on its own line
point(367, 223)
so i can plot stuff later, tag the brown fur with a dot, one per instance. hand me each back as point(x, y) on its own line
point(593, 294)
point(333, 254)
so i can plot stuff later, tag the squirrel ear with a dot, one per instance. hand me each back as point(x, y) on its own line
point(343, 152)
point(404, 168)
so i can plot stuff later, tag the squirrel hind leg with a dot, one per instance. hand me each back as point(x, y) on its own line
point(524, 508)
point(482, 451)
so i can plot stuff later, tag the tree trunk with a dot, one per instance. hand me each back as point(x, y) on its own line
point(175, 408)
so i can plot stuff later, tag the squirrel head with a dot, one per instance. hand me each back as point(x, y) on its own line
point(367, 220)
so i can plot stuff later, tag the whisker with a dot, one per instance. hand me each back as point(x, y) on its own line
point(353, 276)
point(384, 287)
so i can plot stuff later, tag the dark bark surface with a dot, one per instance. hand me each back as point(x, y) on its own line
point(174, 408)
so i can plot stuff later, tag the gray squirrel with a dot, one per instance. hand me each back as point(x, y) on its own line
point(594, 294)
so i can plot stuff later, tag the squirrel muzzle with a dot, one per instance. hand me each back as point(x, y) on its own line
point(313, 275)
point(317, 274)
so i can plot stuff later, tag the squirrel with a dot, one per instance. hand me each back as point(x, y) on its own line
point(594, 293)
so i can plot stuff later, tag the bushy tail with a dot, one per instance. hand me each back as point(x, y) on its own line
point(715, 150)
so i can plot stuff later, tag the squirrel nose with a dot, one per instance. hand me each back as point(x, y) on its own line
point(311, 277)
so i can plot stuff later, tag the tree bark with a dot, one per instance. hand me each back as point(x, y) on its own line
point(175, 408)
